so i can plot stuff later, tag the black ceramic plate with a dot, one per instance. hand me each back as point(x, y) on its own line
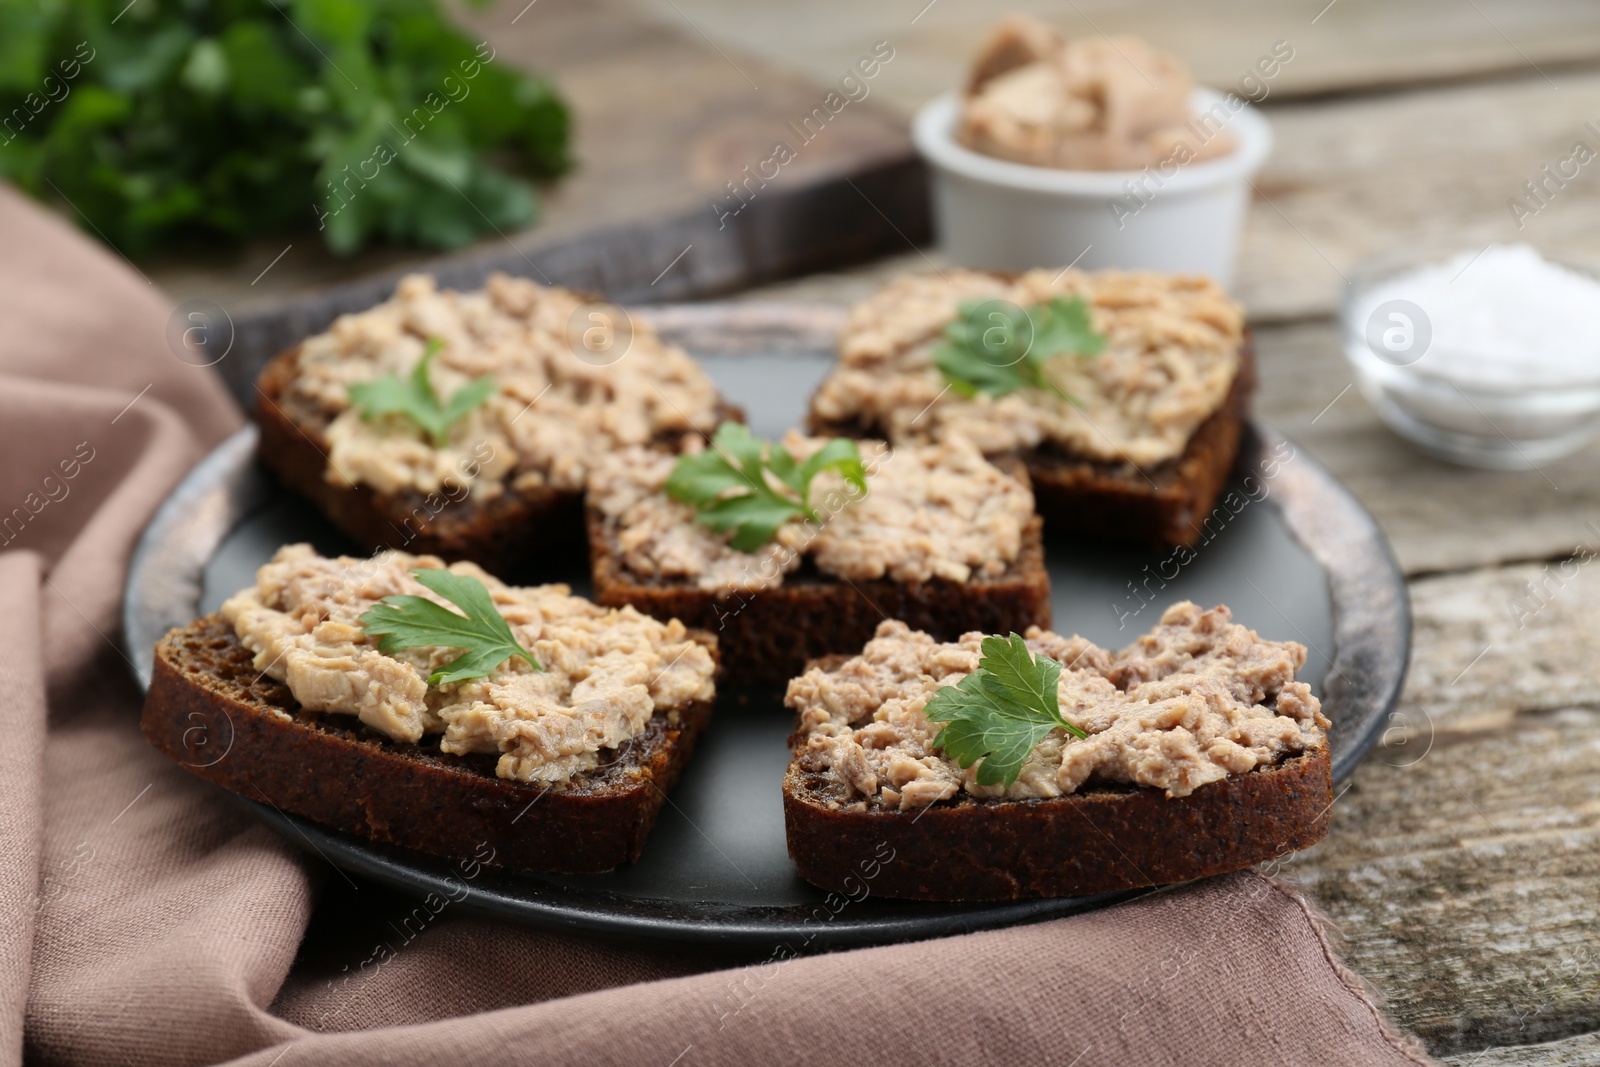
point(1290, 551)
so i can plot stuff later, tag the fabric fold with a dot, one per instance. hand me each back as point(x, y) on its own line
point(24, 884)
point(1231, 969)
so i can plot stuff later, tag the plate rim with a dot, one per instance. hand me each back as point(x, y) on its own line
point(630, 920)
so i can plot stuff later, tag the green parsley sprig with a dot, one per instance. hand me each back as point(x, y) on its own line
point(1000, 712)
point(414, 398)
point(729, 487)
point(995, 347)
point(177, 124)
point(481, 632)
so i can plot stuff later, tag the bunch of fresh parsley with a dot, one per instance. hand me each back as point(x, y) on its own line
point(1000, 712)
point(414, 398)
point(729, 487)
point(480, 631)
point(163, 121)
point(995, 347)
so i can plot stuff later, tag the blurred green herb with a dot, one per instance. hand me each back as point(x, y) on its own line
point(728, 487)
point(995, 347)
point(165, 121)
point(414, 397)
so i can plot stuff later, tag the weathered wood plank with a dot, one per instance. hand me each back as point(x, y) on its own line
point(1489, 646)
point(1580, 1051)
point(1465, 882)
point(1351, 178)
point(1462, 864)
point(1339, 46)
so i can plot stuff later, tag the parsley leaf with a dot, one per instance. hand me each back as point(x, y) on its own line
point(729, 487)
point(1000, 712)
point(414, 398)
point(482, 633)
point(994, 347)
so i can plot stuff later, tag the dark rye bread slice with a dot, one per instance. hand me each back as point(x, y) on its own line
point(768, 636)
point(1163, 506)
point(1105, 838)
point(518, 534)
point(210, 710)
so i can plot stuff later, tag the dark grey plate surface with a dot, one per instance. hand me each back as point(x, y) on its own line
point(1294, 556)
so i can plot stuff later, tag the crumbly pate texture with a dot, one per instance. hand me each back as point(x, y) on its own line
point(1194, 701)
point(1171, 354)
point(550, 415)
point(606, 670)
point(931, 511)
point(1090, 103)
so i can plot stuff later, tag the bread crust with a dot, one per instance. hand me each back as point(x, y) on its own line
point(211, 711)
point(766, 637)
point(1163, 507)
point(519, 534)
point(1101, 840)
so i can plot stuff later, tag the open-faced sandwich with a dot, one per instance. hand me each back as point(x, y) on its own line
point(463, 424)
point(798, 549)
point(1001, 767)
point(437, 708)
point(1124, 393)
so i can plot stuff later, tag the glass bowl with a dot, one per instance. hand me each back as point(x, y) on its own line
point(1497, 422)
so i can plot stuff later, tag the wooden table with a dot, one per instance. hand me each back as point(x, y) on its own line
point(1464, 864)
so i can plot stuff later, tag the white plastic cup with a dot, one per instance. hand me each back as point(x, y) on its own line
point(993, 214)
